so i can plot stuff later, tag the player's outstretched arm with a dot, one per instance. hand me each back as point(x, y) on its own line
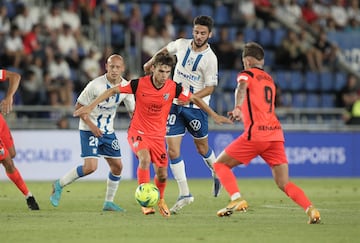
point(88, 108)
point(215, 116)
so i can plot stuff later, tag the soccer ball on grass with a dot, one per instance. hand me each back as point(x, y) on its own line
point(147, 195)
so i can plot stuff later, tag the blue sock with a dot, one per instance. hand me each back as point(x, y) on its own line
point(79, 171)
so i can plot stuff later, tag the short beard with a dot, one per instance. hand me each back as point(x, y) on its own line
point(199, 46)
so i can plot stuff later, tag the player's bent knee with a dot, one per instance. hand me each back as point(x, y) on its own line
point(3, 153)
point(202, 149)
point(162, 176)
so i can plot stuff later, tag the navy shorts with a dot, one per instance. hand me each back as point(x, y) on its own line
point(181, 118)
point(106, 146)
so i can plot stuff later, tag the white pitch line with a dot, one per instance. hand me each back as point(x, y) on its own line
point(277, 207)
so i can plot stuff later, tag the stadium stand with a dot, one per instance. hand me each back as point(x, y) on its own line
point(105, 26)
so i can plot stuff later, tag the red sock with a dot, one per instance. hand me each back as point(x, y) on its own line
point(226, 177)
point(18, 181)
point(297, 195)
point(161, 186)
point(143, 176)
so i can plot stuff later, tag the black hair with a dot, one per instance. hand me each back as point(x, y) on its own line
point(205, 21)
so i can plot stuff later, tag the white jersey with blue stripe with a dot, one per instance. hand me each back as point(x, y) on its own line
point(194, 70)
point(104, 113)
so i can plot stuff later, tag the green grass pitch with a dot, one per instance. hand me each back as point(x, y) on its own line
point(272, 217)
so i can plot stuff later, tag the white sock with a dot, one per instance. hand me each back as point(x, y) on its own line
point(235, 196)
point(112, 185)
point(210, 160)
point(178, 171)
point(69, 177)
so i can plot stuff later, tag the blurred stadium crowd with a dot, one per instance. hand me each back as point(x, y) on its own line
point(58, 46)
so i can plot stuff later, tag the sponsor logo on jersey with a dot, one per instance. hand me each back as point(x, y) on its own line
point(188, 76)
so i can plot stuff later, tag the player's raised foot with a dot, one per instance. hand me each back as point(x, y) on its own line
point(56, 193)
point(32, 204)
point(147, 211)
point(163, 208)
point(181, 202)
point(235, 205)
point(314, 216)
point(216, 186)
point(110, 206)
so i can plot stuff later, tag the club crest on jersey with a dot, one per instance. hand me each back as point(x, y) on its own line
point(190, 61)
point(166, 96)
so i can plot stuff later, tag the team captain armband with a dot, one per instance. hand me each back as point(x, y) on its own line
point(244, 75)
point(2, 74)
